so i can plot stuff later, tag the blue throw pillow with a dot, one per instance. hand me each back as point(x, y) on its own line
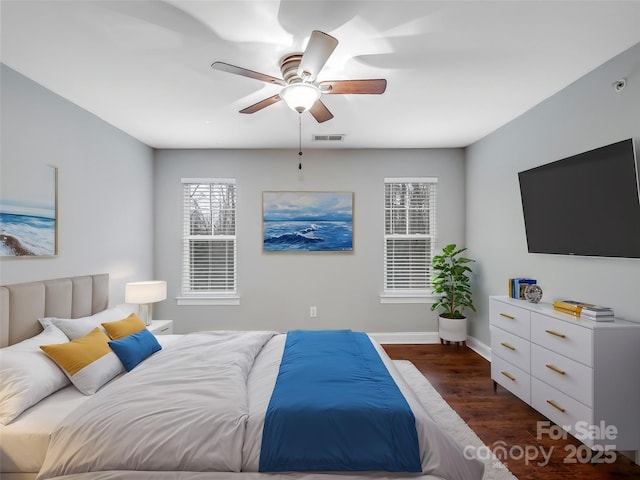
point(135, 348)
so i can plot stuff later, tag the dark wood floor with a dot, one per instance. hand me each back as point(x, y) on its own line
point(501, 420)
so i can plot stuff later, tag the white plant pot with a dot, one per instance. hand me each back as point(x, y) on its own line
point(452, 329)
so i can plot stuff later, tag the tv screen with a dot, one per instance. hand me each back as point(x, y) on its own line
point(587, 204)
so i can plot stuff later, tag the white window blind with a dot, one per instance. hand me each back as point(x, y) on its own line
point(209, 238)
point(410, 234)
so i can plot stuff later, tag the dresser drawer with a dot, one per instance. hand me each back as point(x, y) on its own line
point(513, 319)
point(510, 347)
point(561, 409)
point(564, 338)
point(570, 377)
point(512, 378)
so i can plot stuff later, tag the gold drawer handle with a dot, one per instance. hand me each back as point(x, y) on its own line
point(555, 405)
point(506, 345)
point(507, 316)
point(509, 376)
point(551, 332)
point(555, 369)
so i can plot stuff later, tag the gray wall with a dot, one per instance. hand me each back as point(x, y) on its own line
point(583, 116)
point(105, 186)
point(277, 289)
point(107, 182)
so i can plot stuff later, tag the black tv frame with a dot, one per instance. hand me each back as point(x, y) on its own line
point(586, 204)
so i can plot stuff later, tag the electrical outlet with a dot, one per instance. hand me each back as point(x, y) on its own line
point(313, 312)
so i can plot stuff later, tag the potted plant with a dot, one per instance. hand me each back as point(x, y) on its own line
point(451, 282)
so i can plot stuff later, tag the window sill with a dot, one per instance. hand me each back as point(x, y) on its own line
point(228, 300)
point(408, 298)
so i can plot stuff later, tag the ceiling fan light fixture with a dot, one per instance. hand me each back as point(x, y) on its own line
point(300, 90)
point(300, 97)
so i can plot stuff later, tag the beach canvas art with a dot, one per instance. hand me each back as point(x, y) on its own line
point(28, 213)
point(307, 221)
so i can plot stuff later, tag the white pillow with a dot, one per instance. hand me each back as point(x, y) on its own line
point(88, 361)
point(79, 327)
point(27, 375)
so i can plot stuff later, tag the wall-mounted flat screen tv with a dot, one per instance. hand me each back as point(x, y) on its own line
point(587, 204)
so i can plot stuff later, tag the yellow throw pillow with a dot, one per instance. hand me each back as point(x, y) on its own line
point(88, 361)
point(123, 328)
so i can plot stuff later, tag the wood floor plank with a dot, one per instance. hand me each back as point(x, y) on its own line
point(503, 421)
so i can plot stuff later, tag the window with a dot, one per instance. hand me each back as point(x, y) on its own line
point(209, 238)
point(409, 236)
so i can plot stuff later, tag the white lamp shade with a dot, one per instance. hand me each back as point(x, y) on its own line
point(145, 292)
point(300, 96)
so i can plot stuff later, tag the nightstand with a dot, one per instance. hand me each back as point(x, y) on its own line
point(161, 327)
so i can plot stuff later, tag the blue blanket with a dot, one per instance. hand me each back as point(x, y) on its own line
point(335, 407)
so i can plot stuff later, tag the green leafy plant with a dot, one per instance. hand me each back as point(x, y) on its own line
point(451, 282)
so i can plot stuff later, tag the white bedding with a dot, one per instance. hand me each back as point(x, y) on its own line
point(217, 393)
point(24, 442)
point(119, 475)
point(183, 409)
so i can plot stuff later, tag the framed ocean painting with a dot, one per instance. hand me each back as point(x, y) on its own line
point(28, 213)
point(307, 221)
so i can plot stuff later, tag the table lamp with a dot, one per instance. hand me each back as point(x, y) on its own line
point(145, 294)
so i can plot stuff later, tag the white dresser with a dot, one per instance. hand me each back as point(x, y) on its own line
point(581, 374)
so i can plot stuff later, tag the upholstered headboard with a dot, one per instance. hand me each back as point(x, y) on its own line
point(23, 303)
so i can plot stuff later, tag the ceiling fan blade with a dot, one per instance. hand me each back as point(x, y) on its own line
point(318, 50)
point(320, 112)
point(225, 67)
point(261, 104)
point(376, 86)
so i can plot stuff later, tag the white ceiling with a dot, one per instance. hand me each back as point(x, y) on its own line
point(456, 70)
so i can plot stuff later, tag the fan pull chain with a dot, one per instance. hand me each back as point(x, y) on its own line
point(300, 140)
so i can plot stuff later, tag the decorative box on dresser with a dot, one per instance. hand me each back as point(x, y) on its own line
point(581, 374)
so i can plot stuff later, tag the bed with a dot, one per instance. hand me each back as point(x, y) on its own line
point(200, 407)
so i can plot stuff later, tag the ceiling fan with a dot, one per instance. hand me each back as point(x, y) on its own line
point(301, 91)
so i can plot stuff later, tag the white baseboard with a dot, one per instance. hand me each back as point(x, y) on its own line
point(428, 337)
point(480, 348)
point(406, 337)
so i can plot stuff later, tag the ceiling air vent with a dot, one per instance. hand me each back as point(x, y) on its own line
point(336, 137)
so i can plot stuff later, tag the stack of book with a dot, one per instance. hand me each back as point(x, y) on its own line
point(586, 310)
point(517, 286)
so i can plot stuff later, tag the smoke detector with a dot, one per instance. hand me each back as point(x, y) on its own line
point(619, 85)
